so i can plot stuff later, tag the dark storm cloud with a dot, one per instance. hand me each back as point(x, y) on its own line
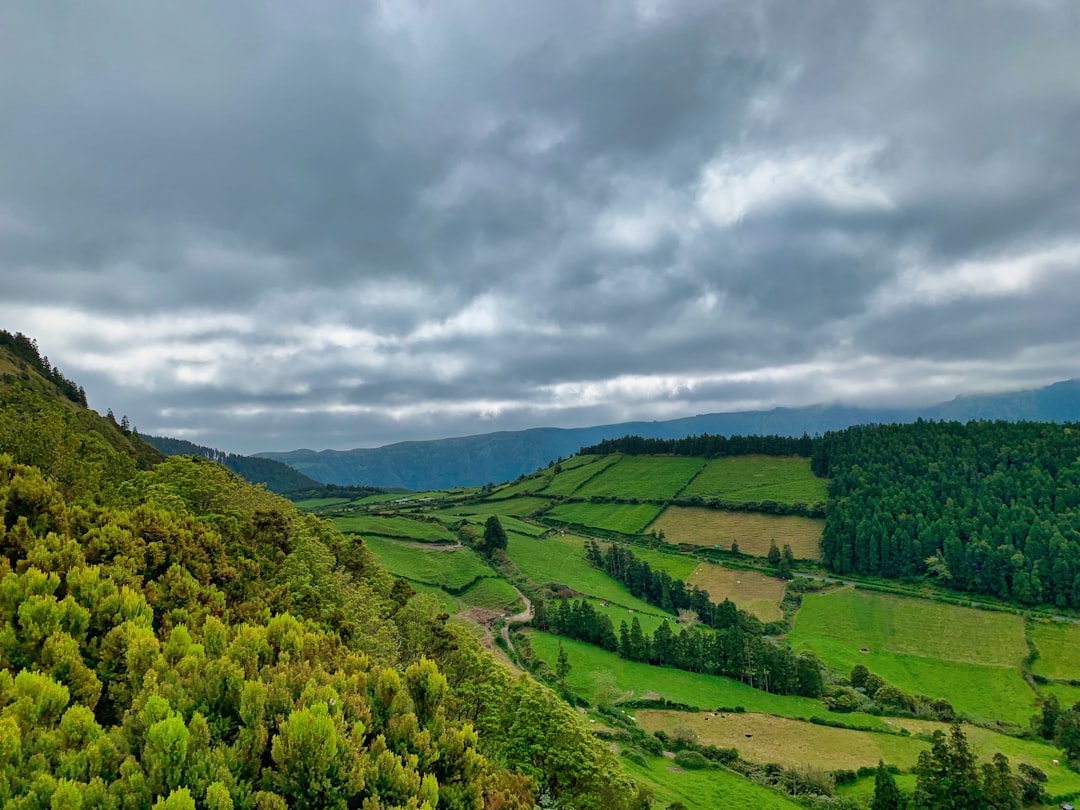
point(264, 226)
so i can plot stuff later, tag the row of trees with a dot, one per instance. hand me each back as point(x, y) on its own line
point(988, 507)
point(731, 652)
point(706, 445)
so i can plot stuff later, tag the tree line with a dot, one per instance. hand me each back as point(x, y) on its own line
point(26, 350)
point(985, 507)
point(706, 445)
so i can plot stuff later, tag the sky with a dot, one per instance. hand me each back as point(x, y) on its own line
point(272, 225)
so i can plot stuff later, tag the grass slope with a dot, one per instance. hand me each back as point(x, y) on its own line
point(454, 569)
point(712, 789)
point(753, 531)
point(643, 477)
point(616, 517)
point(751, 479)
point(421, 531)
point(969, 657)
point(1059, 650)
point(752, 591)
point(569, 479)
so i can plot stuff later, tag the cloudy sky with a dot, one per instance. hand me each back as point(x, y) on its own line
point(271, 225)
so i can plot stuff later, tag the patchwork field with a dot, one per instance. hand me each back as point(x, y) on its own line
point(615, 517)
point(649, 621)
point(315, 503)
point(753, 530)
point(1059, 650)
point(392, 526)
point(755, 593)
point(643, 477)
point(632, 681)
point(705, 788)
point(751, 479)
point(493, 594)
point(568, 481)
point(453, 568)
point(969, 657)
point(516, 507)
point(562, 560)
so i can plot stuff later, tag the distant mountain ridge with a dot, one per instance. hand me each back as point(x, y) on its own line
point(277, 476)
point(502, 456)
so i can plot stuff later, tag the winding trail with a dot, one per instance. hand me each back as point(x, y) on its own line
point(517, 618)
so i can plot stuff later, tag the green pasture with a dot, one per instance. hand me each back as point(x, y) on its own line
point(644, 477)
point(315, 503)
point(704, 788)
point(969, 657)
point(1067, 694)
point(634, 681)
point(521, 506)
point(679, 566)
point(561, 559)
point(394, 526)
point(569, 479)
point(754, 531)
point(536, 482)
point(863, 789)
point(1059, 650)
point(454, 568)
point(649, 621)
point(759, 478)
point(616, 517)
point(493, 594)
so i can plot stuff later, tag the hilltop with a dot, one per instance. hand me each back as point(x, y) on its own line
point(503, 456)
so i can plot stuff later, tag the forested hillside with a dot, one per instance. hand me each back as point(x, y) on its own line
point(172, 637)
point(276, 476)
point(989, 507)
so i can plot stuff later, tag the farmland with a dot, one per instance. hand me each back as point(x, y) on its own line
point(753, 592)
point(570, 478)
point(616, 517)
point(969, 657)
point(451, 568)
point(753, 530)
point(393, 526)
point(706, 788)
point(516, 507)
point(752, 479)
point(1059, 650)
point(656, 477)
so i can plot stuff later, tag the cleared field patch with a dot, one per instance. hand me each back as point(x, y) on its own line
point(626, 518)
point(632, 681)
point(1059, 650)
point(969, 657)
point(315, 503)
point(753, 531)
point(1067, 694)
point(532, 483)
point(493, 594)
point(649, 621)
point(569, 479)
point(704, 788)
point(393, 526)
point(751, 479)
point(450, 568)
point(753, 592)
point(562, 560)
point(679, 566)
point(516, 507)
point(766, 738)
point(643, 477)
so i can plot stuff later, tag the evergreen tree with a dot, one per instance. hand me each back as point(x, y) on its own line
point(494, 536)
point(562, 666)
point(945, 776)
point(887, 795)
point(774, 554)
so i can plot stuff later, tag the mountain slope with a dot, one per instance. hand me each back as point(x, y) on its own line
point(475, 460)
point(277, 476)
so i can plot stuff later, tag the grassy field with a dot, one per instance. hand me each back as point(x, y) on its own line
point(643, 477)
point(753, 530)
point(393, 526)
point(635, 681)
point(562, 560)
point(315, 503)
point(454, 569)
point(510, 524)
point(1066, 694)
point(759, 478)
point(516, 507)
point(705, 788)
point(567, 481)
point(969, 657)
point(1059, 650)
point(493, 594)
point(765, 738)
point(648, 621)
point(755, 593)
point(679, 566)
point(616, 517)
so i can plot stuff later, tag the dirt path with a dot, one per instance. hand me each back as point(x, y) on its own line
point(517, 618)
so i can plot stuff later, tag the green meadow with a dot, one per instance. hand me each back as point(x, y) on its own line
point(759, 478)
point(969, 657)
point(569, 479)
point(616, 517)
point(1059, 650)
point(719, 789)
point(643, 477)
point(453, 568)
point(394, 526)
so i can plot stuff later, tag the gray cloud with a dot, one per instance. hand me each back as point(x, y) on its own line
point(265, 228)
